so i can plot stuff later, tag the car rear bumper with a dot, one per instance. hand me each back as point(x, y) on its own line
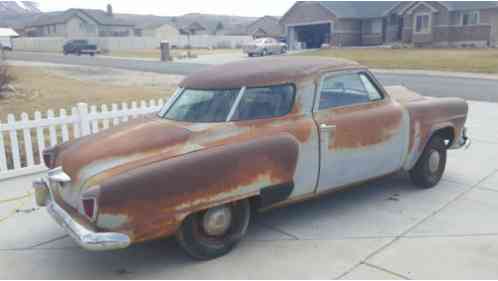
point(86, 237)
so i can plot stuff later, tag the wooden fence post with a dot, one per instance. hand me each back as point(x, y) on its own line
point(84, 120)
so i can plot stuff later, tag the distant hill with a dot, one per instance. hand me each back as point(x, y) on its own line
point(207, 20)
point(18, 14)
point(18, 8)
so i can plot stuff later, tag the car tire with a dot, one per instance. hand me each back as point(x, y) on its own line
point(250, 55)
point(203, 243)
point(284, 50)
point(264, 53)
point(431, 165)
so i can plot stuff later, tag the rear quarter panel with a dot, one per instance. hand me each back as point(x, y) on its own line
point(427, 116)
point(152, 201)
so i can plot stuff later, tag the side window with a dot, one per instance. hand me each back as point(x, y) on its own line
point(265, 102)
point(347, 89)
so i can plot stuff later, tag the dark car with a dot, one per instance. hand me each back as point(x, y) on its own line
point(79, 47)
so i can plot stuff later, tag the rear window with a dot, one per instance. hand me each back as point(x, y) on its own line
point(202, 105)
point(265, 102)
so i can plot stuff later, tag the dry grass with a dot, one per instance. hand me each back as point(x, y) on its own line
point(458, 60)
point(39, 90)
point(156, 54)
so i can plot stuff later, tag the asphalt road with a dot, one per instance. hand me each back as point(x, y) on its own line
point(437, 86)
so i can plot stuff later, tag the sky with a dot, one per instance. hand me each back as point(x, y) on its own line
point(253, 8)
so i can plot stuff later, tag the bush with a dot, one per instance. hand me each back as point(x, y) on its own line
point(5, 76)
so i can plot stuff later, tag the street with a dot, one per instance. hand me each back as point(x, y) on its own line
point(430, 85)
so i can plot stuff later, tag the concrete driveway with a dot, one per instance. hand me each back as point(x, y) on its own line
point(387, 229)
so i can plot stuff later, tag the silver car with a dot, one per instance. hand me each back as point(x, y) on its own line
point(264, 47)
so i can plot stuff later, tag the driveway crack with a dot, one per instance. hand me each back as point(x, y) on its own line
point(404, 233)
point(386, 270)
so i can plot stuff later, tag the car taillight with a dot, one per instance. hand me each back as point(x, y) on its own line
point(89, 205)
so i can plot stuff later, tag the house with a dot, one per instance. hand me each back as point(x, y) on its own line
point(365, 23)
point(163, 31)
point(266, 26)
point(6, 35)
point(75, 23)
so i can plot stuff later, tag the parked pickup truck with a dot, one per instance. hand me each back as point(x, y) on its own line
point(247, 135)
point(79, 47)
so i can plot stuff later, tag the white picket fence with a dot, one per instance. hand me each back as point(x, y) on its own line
point(23, 141)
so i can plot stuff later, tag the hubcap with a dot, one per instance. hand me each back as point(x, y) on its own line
point(217, 221)
point(434, 159)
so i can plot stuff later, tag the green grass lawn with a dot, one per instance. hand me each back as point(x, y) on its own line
point(457, 60)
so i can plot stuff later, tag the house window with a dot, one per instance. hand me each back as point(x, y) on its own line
point(394, 19)
point(470, 18)
point(422, 23)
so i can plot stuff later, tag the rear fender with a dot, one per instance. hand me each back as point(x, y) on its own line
point(152, 201)
point(424, 139)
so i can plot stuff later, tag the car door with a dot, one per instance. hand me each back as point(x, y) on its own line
point(274, 46)
point(362, 130)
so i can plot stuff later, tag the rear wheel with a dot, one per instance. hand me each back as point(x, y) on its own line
point(264, 53)
point(214, 232)
point(430, 167)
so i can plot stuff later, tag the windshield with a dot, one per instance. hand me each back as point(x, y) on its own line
point(202, 105)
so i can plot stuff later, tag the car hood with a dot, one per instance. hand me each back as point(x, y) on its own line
point(139, 142)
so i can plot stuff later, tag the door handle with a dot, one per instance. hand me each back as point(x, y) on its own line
point(326, 127)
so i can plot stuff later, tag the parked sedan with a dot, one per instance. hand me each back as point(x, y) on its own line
point(247, 135)
point(264, 47)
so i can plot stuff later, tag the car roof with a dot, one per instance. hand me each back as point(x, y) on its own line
point(264, 72)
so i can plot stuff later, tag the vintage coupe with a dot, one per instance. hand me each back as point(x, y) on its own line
point(244, 136)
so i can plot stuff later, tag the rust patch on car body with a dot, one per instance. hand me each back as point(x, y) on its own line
point(365, 125)
point(135, 137)
point(161, 192)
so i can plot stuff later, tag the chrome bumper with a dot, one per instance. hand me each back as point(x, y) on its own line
point(85, 237)
point(463, 140)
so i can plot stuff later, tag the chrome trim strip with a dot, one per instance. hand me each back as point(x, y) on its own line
point(236, 104)
point(58, 175)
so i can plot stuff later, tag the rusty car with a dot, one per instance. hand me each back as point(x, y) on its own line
point(244, 136)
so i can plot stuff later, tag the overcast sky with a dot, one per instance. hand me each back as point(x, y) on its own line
point(254, 8)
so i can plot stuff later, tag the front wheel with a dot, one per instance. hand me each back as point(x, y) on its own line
point(264, 53)
point(214, 232)
point(430, 167)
